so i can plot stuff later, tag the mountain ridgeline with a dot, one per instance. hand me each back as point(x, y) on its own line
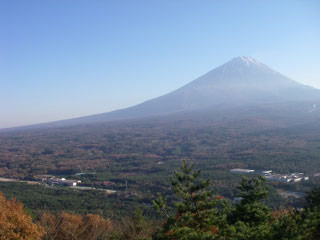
point(239, 83)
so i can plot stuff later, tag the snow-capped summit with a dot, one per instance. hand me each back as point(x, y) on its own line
point(242, 81)
point(245, 62)
point(249, 61)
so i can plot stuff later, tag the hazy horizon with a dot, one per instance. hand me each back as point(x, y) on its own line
point(64, 60)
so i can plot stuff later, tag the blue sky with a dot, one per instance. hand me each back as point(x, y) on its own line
point(68, 58)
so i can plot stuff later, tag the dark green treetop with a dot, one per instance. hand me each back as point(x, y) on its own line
point(198, 214)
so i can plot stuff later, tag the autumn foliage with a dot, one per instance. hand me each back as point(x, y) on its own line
point(195, 214)
point(14, 223)
point(75, 227)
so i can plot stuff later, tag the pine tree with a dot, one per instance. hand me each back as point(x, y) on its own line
point(250, 219)
point(311, 214)
point(198, 214)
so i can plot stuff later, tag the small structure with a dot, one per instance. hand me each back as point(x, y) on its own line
point(317, 174)
point(293, 177)
point(70, 183)
point(267, 173)
point(240, 170)
point(297, 179)
point(79, 174)
point(110, 191)
point(63, 182)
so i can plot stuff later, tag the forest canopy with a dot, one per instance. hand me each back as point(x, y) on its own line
point(195, 213)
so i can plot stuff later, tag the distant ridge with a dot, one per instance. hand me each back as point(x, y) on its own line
point(241, 81)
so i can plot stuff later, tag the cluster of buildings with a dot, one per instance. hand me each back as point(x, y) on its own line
point(61, 181)
point(293, 177)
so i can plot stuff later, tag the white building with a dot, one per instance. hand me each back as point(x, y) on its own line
point(297, 179)
point(267, 172)
point(62, 182)
point(240, 170)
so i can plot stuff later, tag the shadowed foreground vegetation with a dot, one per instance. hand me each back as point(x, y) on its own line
point(195, 213)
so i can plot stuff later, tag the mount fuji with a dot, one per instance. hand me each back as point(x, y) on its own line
point(243, 81)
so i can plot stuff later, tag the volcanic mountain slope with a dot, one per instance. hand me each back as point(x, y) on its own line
point(243, 81)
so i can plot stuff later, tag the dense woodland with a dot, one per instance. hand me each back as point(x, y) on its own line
point(137, 157)
point(196, 213)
